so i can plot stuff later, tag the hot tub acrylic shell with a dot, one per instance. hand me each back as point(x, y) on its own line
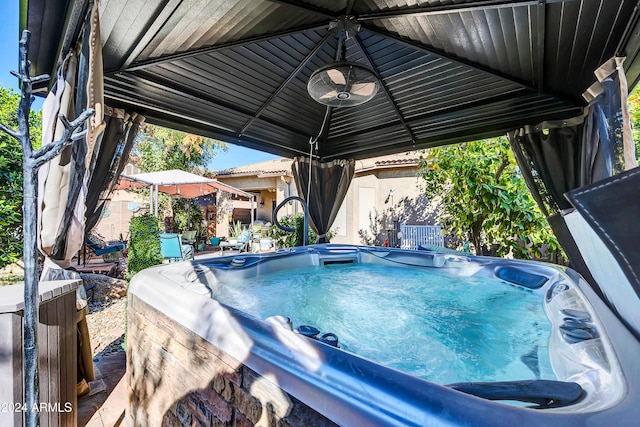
point(351, 390)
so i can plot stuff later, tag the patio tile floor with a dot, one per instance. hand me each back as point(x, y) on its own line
point(104, 406)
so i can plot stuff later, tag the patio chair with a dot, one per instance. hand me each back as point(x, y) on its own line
point(109, 252)
point(240, 245)
point(172, 248)
point(189, 237)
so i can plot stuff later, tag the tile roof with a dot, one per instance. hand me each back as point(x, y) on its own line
point(282, 166)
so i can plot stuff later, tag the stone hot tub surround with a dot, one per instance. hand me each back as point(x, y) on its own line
point(178, 378)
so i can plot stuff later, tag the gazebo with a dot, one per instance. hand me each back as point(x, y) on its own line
point(278, 75)
point(178, 183)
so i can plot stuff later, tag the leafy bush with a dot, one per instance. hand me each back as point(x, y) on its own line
point(159, 148)
point(11, 179)
point(486, 201)
point(144, 244)
point(236, 230)
point(287, 239)
point(185, 212)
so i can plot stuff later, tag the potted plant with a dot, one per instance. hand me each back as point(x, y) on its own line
point(201, 237)
point(235, 232)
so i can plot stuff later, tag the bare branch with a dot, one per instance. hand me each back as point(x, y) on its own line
point(25, 100)
point(501, 167)
point(34, 79)
point(65, 121)
point(79, 135)
point(70, 135)
point(10, 131)
point(72, 126)
point(43, 150)
point(51, 153)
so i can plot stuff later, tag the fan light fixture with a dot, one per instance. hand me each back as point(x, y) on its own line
point(343, 84)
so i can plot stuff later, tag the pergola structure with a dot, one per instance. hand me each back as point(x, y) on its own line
point(177, 183)
point(449, 71)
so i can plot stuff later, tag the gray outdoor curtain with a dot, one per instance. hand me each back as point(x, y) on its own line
point(550, 157)
point(557, 157)
point(73, 186)
point(112, 150)
point(54, 178)
point(62, 182)
point(329, 184)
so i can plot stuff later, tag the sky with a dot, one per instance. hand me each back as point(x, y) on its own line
point(9, 38)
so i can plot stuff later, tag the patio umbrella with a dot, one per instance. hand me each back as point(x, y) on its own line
point(325, 191)
point(178, 183)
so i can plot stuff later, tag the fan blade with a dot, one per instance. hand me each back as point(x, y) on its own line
point(336, 76)
point(330, 94)
point(363, 89)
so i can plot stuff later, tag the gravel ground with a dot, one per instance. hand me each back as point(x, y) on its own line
point(106, 322)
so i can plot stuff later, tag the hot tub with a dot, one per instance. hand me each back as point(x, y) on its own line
point(577, 366)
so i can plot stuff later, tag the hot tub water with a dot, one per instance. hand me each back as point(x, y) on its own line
point(424, 322)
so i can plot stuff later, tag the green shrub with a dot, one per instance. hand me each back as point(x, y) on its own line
point(11, 179)
point(236, 229)
point(144, 244)
point(185, 212)
point(287, 239)
point(299, 234)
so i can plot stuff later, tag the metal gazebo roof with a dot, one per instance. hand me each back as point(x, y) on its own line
point(451, 70)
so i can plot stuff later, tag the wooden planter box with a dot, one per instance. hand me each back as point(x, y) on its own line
point(57, 346)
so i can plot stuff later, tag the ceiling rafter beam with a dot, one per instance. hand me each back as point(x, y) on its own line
point(384, 87)
point(541, 31)
point(445, 112)
point(159, 20)
point(466, 132)
point(216, 48)
point(161, 84)
point(468, 64)
point(349, 8)
point(286, 81)
point(453, 8)
point(306, 7)
point(167, 118)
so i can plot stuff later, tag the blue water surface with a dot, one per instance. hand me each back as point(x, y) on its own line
point(421, 321)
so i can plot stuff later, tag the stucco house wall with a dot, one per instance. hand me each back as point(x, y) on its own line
point(383, 190)
point(377, 198)
point(123, 206)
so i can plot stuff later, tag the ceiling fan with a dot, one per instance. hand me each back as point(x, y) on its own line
point(343, 83)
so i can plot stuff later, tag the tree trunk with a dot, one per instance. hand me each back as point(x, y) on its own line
point(476, 231)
